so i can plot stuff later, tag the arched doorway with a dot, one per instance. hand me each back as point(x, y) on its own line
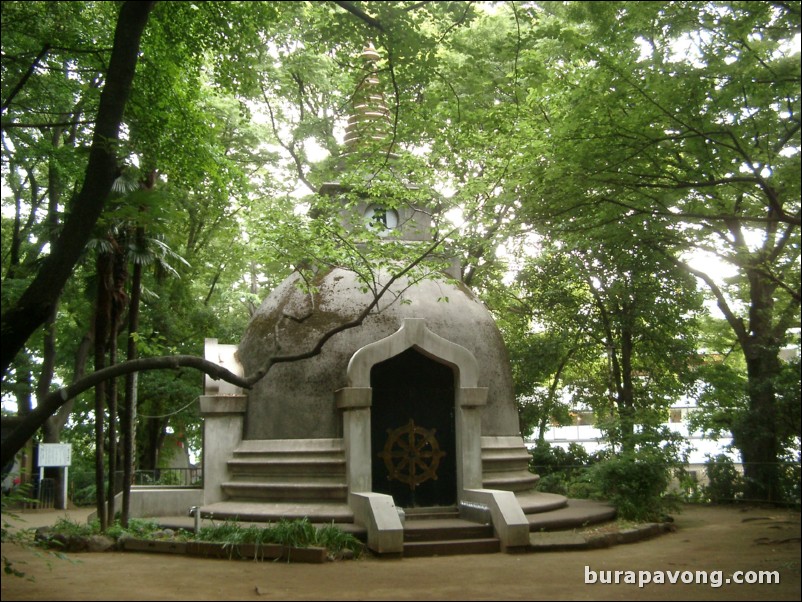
point(413, 438)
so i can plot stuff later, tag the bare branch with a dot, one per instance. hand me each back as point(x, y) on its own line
point(360, 318)
point(46, 124)
point(734, 321)
point(21, 83)
point(290, 148)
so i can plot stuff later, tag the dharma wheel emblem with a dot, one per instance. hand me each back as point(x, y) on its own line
point(412, 454)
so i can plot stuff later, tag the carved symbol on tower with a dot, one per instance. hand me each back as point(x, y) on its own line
point(411, 454)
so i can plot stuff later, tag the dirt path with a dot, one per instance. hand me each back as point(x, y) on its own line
point(707, 539)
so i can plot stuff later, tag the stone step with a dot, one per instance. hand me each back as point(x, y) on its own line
point(451, 547)
point(266, 512)
point(434, 529)
point(288, 455)
point(282, 491)
point(509, 481)
point(289, 452)
point(446, 536)
point(503, 454)
point(535, 502)
point(424, 513)
point(504, 459)
point(291, 446)
point(283, 478)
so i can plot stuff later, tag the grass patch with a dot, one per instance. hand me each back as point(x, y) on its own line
point(288, 533)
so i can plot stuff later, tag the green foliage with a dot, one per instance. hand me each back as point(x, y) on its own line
point(711, 164)
point(690, 490)
point(294, 533)
point(725, 483)
point(70, 528)
point(563, 471)
point(578, 136)
point(337, 541)
point(10, 530)
point(291, 533)
point(619, 332)
point(548, 459)
point(65, 530)
point(137, 527)
point(791, 479)
point(636, 484)
point(86, 495)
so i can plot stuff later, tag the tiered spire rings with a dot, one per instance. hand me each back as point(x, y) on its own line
point(370, 118)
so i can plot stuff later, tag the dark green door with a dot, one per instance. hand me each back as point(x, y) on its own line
point(412, 430)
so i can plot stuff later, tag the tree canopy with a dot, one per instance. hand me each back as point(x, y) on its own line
point(162, 163)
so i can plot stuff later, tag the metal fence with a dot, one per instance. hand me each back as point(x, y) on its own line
point(82, 483)
point(167, 477)
point(44, 494)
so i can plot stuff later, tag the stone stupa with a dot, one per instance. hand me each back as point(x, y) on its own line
point(412, 412)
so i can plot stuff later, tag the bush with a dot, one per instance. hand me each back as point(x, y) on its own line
point(690, 490)
point(564, 472)
point(85, 496)
point(636, 484)
point(791, 480)
point(547, 460)
point(725, 484)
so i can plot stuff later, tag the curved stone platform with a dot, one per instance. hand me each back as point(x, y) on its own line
point(565, 541)
point(572, 515)
point(556, 524)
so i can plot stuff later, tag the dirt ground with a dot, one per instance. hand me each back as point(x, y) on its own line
point(719, 541)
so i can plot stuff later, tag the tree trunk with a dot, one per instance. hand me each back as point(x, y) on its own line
point(129, 412)
point(756, 432)
point(50, 435)
point(154, 437)
point(626, 394)
point(119, 300)
point(16, 440)
point(112, 430)
point(102, 317)
point(52, 428)
point(755, 435)
point(550, 403)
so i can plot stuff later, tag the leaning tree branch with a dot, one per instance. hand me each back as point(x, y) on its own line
point(53, 401)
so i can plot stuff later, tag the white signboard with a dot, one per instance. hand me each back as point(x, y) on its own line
point(55, 454)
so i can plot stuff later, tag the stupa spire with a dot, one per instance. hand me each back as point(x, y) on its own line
point(369, 123)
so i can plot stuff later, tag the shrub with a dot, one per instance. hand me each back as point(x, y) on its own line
point(563, 471)
point(725, 484)
point(636, 484)
point(547, 459)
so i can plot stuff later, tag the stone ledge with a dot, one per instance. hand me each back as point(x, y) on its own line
point(554, 541)
point(314, 555)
